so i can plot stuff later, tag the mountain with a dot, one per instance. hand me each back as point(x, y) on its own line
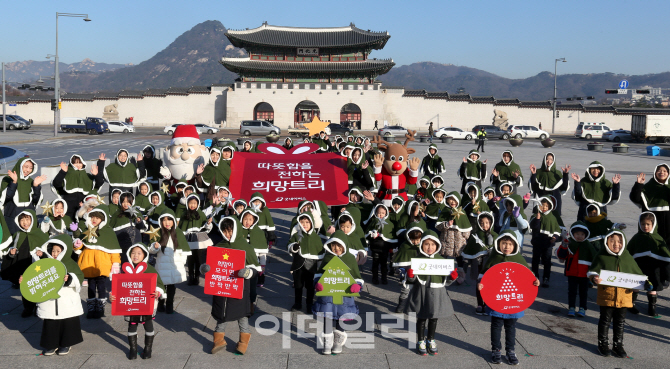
point(431, 76)
point(191, 60)
point(31, 70)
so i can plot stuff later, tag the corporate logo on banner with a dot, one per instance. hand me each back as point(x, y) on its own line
point(286, 177)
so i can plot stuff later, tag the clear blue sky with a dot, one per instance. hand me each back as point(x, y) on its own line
point(511, 38)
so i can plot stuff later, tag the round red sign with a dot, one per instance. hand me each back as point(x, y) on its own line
point(508, 288)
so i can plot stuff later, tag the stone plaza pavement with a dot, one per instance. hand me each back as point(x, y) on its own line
point(546, 337)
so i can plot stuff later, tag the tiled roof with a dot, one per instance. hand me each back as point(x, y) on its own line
point(13, 99)
point(268, 35)
point(131, 94)
point(569, 106)
point(177, 91)
point(415, 93)
point(535, 104)
point(242, 65)
point(507, 102)
point(437, 95)
point(78, 97)
point(200, 90)
point(599, 108)
point(155, 92)
point(384, 87)
point(483, 99)
point(460, 97)
point(107, 96)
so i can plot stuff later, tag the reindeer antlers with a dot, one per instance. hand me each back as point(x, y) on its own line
point(410, 137)
point(381, 144)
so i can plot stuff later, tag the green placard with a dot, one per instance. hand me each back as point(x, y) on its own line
point(42, 280)
point(337, 281)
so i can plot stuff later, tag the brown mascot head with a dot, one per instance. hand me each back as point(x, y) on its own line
point(396, 156)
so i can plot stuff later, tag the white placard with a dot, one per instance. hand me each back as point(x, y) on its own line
point(623, 280)
point(622, 91)
point(432, 266)
point(308, 51)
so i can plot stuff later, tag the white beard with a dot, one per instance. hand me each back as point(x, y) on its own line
point(183, 169)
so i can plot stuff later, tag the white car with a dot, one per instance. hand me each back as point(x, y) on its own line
point(617, 135)
point(456, 133)
point(118, 126)
point(170, 129)
point(203, 128)
point(393, 131)
point(518, 131)
point(8, 158)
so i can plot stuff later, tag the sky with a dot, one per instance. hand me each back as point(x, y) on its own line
point(511, 38)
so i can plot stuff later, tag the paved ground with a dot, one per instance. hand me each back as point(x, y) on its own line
point(546, 337)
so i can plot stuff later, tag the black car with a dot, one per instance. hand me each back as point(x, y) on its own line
point(492, 131)
point(338, 129)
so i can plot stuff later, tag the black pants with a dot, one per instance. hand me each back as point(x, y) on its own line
point(97, 284)
point(421, 328)
point(542, 253)
point(303, 278)
point(193, 261)
point(60, 333)
point(496, 332)
point(380, 254)
point(170, 289)
point(607, 314)
point(580, 284)
point(148, 327)
point(480, 144)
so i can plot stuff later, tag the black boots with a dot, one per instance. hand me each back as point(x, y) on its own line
point(161, 305)
point(90, 307)
point(603, 339)
point(634, 309)
point(652, 304)
point(132, 342)
point(148, 345)
point(617, 338)
point(297, 305)
point(169, 304)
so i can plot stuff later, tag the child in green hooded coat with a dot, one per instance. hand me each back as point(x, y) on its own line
point(379, 233)
point(653, 256)
point(18, 191)
point(472, 170)
point(507, 248)
point(599, 225)
point(546, 231)
point(432, 164)
point(306, 247)
point(402, 260)
point(613, 301)
point(124, 173)
point(454, 227)
point(477, 249)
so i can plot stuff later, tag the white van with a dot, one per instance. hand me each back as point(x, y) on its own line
point(71, 120)
point(589, 130)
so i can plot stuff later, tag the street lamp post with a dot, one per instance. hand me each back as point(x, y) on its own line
point(553, 110)
point(57, 76)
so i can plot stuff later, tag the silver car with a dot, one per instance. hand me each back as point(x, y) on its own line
point(259, 127)
point(393, 131)
point(203, 128)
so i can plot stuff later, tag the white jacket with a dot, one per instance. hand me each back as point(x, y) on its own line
point(170, 264)
point(68, 305)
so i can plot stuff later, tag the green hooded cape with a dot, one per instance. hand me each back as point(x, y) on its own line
point(24, 185)
point(620, 262)
point(496, 256)
point(596, 190)
point(478, 245)
point(347, 257)
point(649, 244)
point(457, 214)
point(506, 170)
point(432, 164)
point(119, 174)
point(65, 257)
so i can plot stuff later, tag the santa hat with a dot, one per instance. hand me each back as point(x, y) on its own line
point(185, 133)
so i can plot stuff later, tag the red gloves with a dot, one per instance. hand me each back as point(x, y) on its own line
point(318, 287)
point(355, 288)
point(410, 273)
point(454, 274)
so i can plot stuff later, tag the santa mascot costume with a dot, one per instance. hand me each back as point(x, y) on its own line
point(183, 156)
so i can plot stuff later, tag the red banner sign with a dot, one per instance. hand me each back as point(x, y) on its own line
point(222, 280)
point(132, 291)
point(508, 288)
point(286, 177)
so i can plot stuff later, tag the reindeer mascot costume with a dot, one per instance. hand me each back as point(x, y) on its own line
point(391, 168)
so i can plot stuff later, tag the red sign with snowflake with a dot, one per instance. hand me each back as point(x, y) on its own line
point(222, 279)
point(508, 288)
point(287, 177)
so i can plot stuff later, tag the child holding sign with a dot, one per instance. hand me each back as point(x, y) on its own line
point(507, 248)
point(614, 301)
point(333, 340)
point(19, 257)
point(428, 297)
point(137, 253)
point(227, 309)
point(403, 260)
point(61, 329)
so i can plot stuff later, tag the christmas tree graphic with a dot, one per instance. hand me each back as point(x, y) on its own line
point(336, 281)
point(508, 285)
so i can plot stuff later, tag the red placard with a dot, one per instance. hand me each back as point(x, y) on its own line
point(286, 177)
point(222, 280)
point(508, 288)
point(132, 291)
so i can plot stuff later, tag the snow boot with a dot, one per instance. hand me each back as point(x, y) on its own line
point(148, 345)
point(219, 342)
point(132, 342)
point(338, 343)
point(327, 340)
point(652, 304)
point(90, 306)
point(243, 343)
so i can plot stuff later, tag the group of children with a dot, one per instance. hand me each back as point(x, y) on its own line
point(171, 230)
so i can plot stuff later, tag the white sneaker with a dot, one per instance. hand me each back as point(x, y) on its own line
point(327, 341)
point(340, 339)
